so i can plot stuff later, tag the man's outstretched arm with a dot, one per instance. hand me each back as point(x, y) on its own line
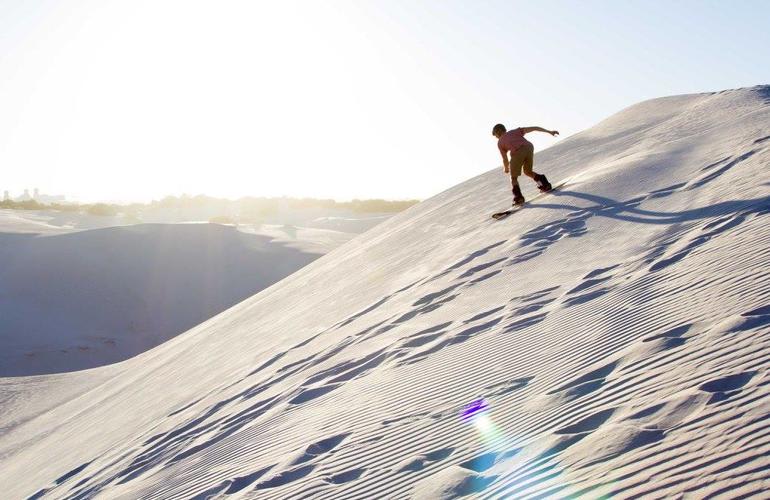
point(526, 130)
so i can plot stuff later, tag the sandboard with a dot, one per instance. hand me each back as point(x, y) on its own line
point(514, 209)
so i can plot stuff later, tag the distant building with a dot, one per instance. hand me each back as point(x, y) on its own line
point(37, 196)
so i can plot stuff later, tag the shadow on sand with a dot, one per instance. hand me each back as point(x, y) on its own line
point(629, 211)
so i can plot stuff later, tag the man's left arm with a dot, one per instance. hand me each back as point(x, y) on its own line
point(504, 154)
point(526, 130)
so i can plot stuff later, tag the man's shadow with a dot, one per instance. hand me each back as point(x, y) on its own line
point(629, 210)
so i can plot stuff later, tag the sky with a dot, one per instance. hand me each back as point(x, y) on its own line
point(107, 100)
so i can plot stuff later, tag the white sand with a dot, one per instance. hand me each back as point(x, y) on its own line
point(618, 331)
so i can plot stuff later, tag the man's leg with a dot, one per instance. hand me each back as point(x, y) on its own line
point(517, 159)
point(528, 154)
point(528, 160)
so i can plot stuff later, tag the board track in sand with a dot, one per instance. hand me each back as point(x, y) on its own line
point(619, 336)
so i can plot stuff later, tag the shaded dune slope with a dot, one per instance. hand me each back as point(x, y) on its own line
point(89, 298)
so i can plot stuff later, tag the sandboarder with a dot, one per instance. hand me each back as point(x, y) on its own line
point(522, 152)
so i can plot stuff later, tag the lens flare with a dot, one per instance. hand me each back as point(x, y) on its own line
point(526, 465)
point(477, 414)
point(474, 409)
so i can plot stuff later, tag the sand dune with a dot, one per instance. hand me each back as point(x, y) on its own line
point(85, 299)
point(610, 339)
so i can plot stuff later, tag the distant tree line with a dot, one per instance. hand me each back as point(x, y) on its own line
point(93, 209)
point(247, 209)
point(22, 205)
point(252, 203)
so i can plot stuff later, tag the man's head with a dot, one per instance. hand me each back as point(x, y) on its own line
point(498, 130)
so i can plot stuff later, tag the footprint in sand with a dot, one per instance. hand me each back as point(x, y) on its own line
point(346, 477)
point(748, 321)
point(587, 424)
point(716, 169)
point(483, 315)
point(507, 386)
point(61, 480)
point(725, 387)
point(334, 377)
point(481, 267)
point(673, 333)
point(521, 324)
point(431, 306)
point(427, 299)
point(451, 482)
point(444, 339)
point(239, 483)
point(535, 296)
point(669, 413)
point(611, 442)
point(526, 304)
point(551, 232)
point(286, 477)
point(299, 467)
point(575, 388)
point(589, 288)
point(677, 248)
point(467, 260)
point(662, 193)
point(481, 463)
point(310, 394)
point(640, 355)
point(587, 382)
point(482, 278)
point(419, 462)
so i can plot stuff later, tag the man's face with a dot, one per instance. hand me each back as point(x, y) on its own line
point(497, 135)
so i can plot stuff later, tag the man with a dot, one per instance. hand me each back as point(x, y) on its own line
point(522, 152)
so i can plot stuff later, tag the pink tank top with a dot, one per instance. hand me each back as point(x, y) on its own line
point(511, 141)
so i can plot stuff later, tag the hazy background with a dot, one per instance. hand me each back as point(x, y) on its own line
point(134, 100)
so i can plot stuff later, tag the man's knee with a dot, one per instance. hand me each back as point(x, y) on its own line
point(528, 171)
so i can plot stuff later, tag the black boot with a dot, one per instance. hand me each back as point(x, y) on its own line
point(542, 183)
point(518, 198)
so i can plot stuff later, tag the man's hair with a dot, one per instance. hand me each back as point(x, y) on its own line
point(498, 129)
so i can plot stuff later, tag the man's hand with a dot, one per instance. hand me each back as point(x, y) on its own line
point(505, 169)
point(554, 132)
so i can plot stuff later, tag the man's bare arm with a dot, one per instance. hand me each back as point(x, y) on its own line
point(505, 161)
point(526, 130)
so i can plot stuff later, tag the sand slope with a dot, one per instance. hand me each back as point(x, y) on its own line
point(617, 333)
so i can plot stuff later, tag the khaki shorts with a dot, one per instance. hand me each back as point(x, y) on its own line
point(522, 157)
